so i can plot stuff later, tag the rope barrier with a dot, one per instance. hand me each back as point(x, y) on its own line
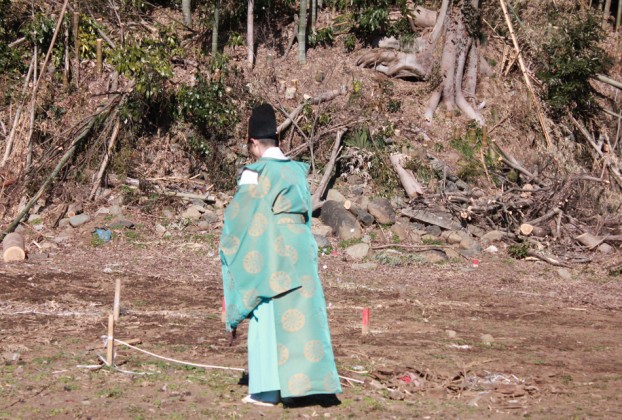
point(194, 364)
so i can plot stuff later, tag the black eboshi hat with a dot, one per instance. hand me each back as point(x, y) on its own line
point(262, 123)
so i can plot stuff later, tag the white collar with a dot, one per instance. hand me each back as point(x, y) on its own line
point(274, 153)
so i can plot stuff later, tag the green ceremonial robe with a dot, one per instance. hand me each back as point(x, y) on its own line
point(269, 254)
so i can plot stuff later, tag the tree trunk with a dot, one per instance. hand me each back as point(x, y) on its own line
point(459, 60)
point(186, 11)
point(302, 33)
point(215, 24)
point(250, 33)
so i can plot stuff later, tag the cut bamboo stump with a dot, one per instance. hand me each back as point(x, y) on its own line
point(110, 347)
point(13, 248)
point(117, 300)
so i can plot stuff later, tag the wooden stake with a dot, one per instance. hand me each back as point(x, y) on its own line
point(110, 349)
point(365, 329)
point(523, 68)
point(76, 37)
point(99, 56)
point(117, 299)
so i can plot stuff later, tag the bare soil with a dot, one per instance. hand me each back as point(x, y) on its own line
point(554, 348)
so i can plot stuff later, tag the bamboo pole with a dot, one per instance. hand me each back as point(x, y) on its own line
point(110, 347)
point(117, 300)
point(32, 117)
point(608, 80)
point(523, 68)
point(81, 136)
point(76, 38)
point(100, 64)
point(619, 15)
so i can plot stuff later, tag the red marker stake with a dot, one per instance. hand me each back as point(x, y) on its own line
point(223, 311)
point(365, 329)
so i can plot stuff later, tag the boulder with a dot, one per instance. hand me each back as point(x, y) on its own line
point(343, 223)
point(358, 251)
point(210, 216)
point(434, 256)
point(362, 216)
point(433, 230)
point(452, 237)
point(318, 228)
point(335, 195)
point(79, 220)
point(321, 240)
point(382, 211)
point(470, 244)
point(401, 231)
point(191, 213)
point(494, 236)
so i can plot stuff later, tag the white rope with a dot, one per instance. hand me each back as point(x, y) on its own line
point(196, 364)
point(177, 361)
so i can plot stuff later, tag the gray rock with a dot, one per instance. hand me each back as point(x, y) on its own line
point(401, 231)
point(103, 210)
point(210, 216)
point(321, 240)
point(366, 239)
point(168, 214)
point(357, 190)
point(358, 251)
point(382, 211)
point(452, 237)
point(160, 229)
point(362, 202)
point(191, 213)
point(433, 230)
point(452, 254)
point(63, 223)
point(121, 224)
point(318, 228)
point(335, 195)
point(462, 186)
point(343, 223)
point(476, 231)
point(364, 266)
point(494, 236)
point(433, 256)
point(203, 225)
point(470, 244)
point(397, 202)
point(451, 187)
point(362, 216)
point(79, 220)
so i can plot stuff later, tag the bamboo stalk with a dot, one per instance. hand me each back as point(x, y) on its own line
point(32, 117)
point(81, 136)
point(99, 66)
point(608, 80)
point(110, 347)
point(104, 164)
point(117, 300)
point(619, 15)
point(523, 68)
point(76, 38)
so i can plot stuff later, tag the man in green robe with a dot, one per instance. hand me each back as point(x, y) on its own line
point(270, 274)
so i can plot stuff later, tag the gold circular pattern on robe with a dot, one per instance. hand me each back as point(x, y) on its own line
point(280, 282)
point(229, 245)
point(261, 189)
point(314, 351)
point(253, 262)
point(292, 320)
point(282, 205)
point(299, 384)
point(232, 210)
point(258, 225)
point(297, 228)
point(308, 286)
point(291, 252)
point(251, 299)
point(331, 383)
point(279, 246)
point(282, 354)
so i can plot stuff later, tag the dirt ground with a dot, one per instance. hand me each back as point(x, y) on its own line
point(509, 338)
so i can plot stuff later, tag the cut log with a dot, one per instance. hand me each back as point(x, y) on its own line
point(432, 219)
point(593, 242)
point(526, 229)
point(74, 209)
point(407, 178)
point(13, 248)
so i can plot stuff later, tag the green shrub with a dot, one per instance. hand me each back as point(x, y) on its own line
point(571, 57)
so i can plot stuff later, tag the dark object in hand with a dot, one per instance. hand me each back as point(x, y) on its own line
point(233, 337)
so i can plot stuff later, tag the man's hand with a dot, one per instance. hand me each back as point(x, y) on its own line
point(233, 337)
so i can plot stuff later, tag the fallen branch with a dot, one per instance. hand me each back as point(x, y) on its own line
point(316, 100)
point(556, 211)
point(548, 260)
point(609, 81)
point(523, 68)
point(82, 134)
point(316, 202)
point(104, 164)
point(407, 177)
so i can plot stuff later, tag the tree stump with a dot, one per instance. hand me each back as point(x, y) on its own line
point(13, 247)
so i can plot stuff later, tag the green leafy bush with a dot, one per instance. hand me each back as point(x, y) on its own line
point(571, 57)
